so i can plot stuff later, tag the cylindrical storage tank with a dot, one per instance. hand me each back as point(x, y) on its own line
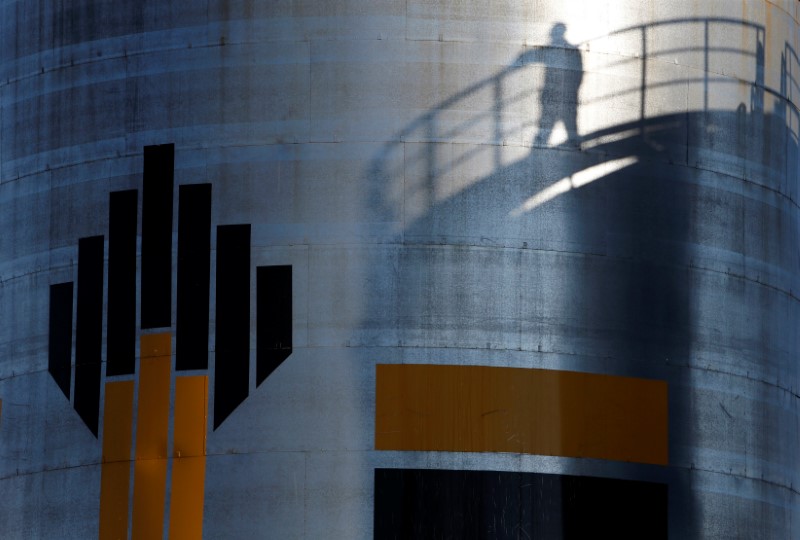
point(379, 269)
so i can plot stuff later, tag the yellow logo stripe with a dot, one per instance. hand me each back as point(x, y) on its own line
point(529, 411)
point(152, 432)
point(152, 455)
point(116, 469)
point(189, 458)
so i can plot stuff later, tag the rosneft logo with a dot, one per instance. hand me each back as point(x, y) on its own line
point(158, 385)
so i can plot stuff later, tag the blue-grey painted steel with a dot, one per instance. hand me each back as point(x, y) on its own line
point(606, 186)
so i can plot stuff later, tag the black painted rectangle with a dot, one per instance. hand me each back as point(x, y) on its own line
point(274, 318)
point(433, 504)
point(89, 330)
point(232, 351)
point(194, 275)
point(156, 308)
point(60, 334)
point(121, 315)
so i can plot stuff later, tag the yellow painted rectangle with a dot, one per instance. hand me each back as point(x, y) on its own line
point(118, 421)
point(149, 495)
point(191, 410)
point(155, 345)
point(528, 411)
point(115, 484)
point(152, 425)
point(116, 469)
point(186, 503)
point(153, 407)
point(189, 461)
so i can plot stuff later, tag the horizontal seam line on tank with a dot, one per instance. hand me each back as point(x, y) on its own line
point(130, 155)
point(44, 471)
point(757, 185)
point(433, 245)
point(116, 157)
point(184, 46)
point(789, 293)
point(723, 174)
point(694, 367)
point(382, 141)
point(171, 457)
point(746, 181)
point(14, 375)
point(742, 277)
point(690, 266)
point(789, 487)
point(90, 61)
point(279, 451)
point(117, 56)
point(11, 279)
point(142, 52)
point(48, 269)
point(398, 140)
point(766, 382)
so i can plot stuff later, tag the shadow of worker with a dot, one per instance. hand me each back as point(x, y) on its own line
point(558, 98)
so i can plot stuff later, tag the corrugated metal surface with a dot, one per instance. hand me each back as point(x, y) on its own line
point(607, 187)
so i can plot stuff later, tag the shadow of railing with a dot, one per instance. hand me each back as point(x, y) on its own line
point(655, 73)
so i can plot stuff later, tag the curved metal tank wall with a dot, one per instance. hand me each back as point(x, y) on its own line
point(605, 187)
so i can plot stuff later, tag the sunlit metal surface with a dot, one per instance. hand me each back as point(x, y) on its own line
point(577, 180)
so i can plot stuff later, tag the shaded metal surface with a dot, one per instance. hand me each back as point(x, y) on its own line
point(452, 183)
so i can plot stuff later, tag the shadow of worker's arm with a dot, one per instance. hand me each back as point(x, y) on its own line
point(534, 55)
